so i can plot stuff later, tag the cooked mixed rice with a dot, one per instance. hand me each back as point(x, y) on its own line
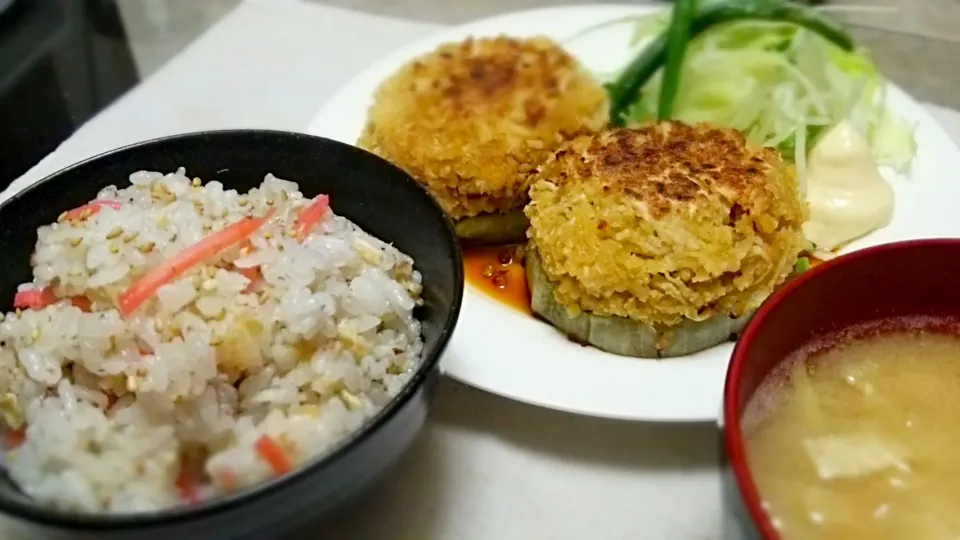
point(181, 341)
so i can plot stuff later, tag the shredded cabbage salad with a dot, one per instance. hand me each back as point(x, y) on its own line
point(780, 85)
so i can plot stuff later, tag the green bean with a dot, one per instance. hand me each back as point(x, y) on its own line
point(678, 35)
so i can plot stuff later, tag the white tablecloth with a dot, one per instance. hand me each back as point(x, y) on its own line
point(485, 468)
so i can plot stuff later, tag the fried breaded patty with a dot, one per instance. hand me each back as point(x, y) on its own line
point(473, 120)
point(665, 224)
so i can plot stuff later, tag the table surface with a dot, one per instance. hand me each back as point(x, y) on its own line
point(915, 42)
point(484, 467)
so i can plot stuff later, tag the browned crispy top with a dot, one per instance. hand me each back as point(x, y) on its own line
point(471, 120)
point(666, 164)
point(665, 222)
point(491, 73)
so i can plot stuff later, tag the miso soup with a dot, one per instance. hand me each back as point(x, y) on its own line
point(861, 441)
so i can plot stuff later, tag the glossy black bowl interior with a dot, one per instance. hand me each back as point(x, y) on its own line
point(379, 197)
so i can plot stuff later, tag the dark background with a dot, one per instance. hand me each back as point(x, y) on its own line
point(61, 61)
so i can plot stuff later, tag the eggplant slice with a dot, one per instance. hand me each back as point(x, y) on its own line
point(493, 228)
point(621, 335)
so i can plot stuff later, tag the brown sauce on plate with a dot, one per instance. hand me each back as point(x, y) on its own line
point(498, 272)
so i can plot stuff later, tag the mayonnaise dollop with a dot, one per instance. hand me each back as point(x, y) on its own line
point(847, 196)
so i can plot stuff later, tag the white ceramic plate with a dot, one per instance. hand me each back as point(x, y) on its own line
point(505, 352)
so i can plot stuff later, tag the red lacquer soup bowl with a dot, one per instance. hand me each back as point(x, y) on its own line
point(907, 279)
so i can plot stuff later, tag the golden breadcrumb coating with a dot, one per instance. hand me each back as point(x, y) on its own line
point(473, 120)
point(665, 222)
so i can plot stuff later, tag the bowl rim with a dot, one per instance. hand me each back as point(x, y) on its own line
point(181, 514)
point(733, 443)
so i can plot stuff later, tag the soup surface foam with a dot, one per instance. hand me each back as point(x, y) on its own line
point(860, 440)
